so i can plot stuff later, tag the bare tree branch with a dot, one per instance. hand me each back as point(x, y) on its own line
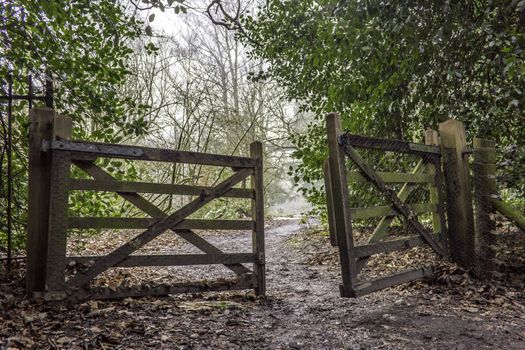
point(231, 22)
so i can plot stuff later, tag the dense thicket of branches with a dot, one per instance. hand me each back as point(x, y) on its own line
point(201, 98)
point(124, 81)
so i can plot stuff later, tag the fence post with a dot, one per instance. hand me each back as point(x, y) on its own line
point(341, 209)
point(40, 129)
point(485, 188)
point(459, 199)
point(58, 208)
point(256, 152)
point(44, 126)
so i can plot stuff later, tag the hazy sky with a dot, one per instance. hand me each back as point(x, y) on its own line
point(170, 22)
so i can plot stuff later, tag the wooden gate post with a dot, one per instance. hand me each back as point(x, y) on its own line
point(44, 126)
point(341, 209)
point(40, 129)
point(485, 188)
point(58, 208)
point(256, 152)
point(459, 198)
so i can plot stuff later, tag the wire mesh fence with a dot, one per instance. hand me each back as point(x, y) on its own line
point(17, 96)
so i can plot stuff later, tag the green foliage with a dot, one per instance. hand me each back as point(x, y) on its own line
point(394, 68)
point(83, 46)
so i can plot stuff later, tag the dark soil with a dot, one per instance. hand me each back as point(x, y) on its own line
point(303, 309)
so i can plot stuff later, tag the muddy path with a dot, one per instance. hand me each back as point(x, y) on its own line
point(306, 311)
point(302, 310)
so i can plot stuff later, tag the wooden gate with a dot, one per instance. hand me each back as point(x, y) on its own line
point(50, 182)
point(399, 204)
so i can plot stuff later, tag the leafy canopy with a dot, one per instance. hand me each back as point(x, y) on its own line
point(83, 45)
point(394, 68)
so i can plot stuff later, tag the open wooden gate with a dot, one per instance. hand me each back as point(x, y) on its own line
point(51, 158)
point(400, 204)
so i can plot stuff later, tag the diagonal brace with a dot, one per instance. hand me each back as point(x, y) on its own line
point(396, 202)
point(167, 222)
point(150, 209)
point(381, 229)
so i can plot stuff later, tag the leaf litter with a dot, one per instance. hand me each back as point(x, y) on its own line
point(302, 310)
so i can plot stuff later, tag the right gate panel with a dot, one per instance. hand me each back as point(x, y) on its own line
point(385, 209)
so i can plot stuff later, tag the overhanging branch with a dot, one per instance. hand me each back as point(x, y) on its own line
point(230, 22)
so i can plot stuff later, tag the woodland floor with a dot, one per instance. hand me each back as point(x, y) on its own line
point(302, 310)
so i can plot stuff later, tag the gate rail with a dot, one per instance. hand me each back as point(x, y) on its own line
point(51, 157)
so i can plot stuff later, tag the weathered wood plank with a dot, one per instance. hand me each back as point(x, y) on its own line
point(387, 210)
point(359, 141)
point(484, 189)
point(58, 208)
point(442, 229)
point(460, 212)
point(139, 223)
point(342, 215)
point(147, 187)
point(75, 222)
point(259, 268)
point(40, 128)
point(329, 202)
point(151, 210)
point(388, 246)
point(173, 260)
point(509, 212)
point(149, 154)
point(432, 138)
point(392, 280)
point(392, 177)
point(158, 228)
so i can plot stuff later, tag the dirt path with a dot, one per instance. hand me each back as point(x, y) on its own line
point(306, 311)
point(303, 311)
